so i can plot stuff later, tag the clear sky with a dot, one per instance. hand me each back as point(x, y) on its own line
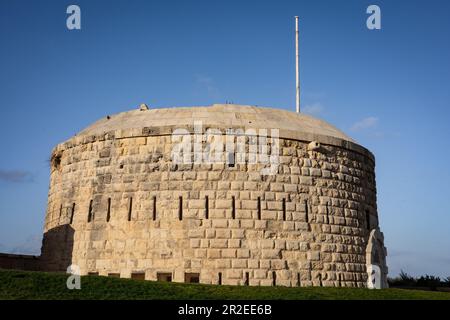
point(389, 89)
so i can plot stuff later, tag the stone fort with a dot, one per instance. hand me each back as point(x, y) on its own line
point(119, 206)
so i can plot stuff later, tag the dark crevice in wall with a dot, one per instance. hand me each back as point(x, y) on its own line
point(327, 212)
point(306, 211)
point(90, 217)
point(154, 208)
point(180, 208)
point(108, 213)
point(130, 209)
point(72, 214)
point(259, 208)
point(233, 207)
point(206, 207)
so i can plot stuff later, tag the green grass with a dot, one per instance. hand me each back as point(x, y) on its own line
point(43, 286)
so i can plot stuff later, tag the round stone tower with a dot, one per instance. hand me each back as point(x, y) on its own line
point(286, 199)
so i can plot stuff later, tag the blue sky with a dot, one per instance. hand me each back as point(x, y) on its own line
point(388, 89)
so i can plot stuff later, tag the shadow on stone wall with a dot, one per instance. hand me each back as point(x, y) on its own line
point(57, 248)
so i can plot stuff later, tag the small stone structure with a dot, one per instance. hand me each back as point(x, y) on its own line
point(19, 262)
point(119, 206)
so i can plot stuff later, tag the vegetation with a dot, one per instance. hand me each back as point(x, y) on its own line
point(40, 285)
point(426, 282)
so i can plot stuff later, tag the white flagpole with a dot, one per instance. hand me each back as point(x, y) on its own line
point(297, 76)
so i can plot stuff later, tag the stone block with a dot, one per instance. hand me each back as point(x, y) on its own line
point(229, 253)
point(243, 253)
point(196, 233)
point(234, 243)
point(253, 263)
point(260, 224)
point(314, 255)
point(218, 243)
point(238, 234)
point(275, 205)
point(223, 263)
point(278, 264)
point(250, 204)
point(223, 204)
point(214, 253)
point(276, 187)
point(220, 223)
point(260, 274)
point(239, 263)
point(270, 253)
point(200, 253)
point(247, 224)
point(195, 243)
point(223, 233)
point(196, 204)
point(234, 274)
point(267, 244)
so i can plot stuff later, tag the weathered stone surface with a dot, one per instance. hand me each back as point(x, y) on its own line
point(124, 164)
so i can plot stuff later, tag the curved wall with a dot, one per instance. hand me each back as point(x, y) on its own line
point(307, 225)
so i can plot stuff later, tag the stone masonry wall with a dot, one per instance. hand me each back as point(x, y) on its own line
point(305, 226)
point(19, 262)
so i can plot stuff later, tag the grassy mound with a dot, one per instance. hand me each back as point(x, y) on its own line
point(41, 285)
